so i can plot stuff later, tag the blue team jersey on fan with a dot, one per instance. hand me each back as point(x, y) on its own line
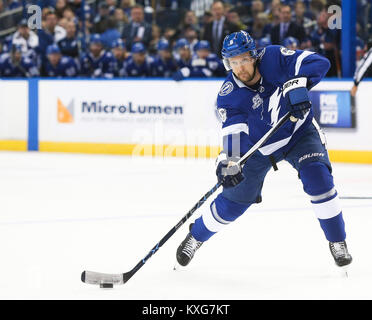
point(26, 67)
point(164, 68)
point(212, 66)
point(66, 67)
point(102, 67)
point(251, 112)
point(146, 69)
point(182, 63)
point(69, 47)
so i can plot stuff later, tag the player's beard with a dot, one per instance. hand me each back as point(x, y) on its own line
point(251, 77)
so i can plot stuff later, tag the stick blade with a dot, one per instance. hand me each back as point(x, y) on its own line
point(98, 278)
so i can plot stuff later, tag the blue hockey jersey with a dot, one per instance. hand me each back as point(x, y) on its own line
point(102, 67)
point(66, 67)
point(212, 66)
point(249, 113)
point(25, 68)
point(164, 68)
point(146, 69)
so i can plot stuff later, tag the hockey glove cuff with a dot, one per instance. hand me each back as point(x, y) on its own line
point(297, 97)
point(228, 171)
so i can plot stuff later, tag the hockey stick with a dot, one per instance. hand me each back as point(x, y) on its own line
point(106, 280)
point(356, 198)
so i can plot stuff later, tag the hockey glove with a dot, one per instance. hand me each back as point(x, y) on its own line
point(297, 97)
point(228, 171)
point(181, 74)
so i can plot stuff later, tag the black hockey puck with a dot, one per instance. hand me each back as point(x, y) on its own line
point(106, 285)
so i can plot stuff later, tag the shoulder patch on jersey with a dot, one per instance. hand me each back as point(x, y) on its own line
point(287, 52)
point(261, 53)
point(226, 88)
point(222, 114)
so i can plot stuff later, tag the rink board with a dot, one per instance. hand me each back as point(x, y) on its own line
point(145, 118)
point(14, 115)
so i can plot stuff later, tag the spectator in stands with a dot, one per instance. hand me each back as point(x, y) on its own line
point(233, 17)
point(127, 5)
point(303, 19)
point(291, 43)
point(59, 66)
point(164, 64)
point(182, 53)
point(139, 64)
point(274, 13)
point(15, 65)
point(325, 42)
point(51, 32)
point(286, 27)
point(191, 36)
point(100, 22)
point(263, 42)
point(188, 20)
point(170, 34)
point(121, 55)
point(69, 45)
point(111, 34)
point(111, 5)
point(155, 37)
point(97, 63)
point(121, 20)
point(206, 63)
point(27, 39)
point(257, 7)
point(317, 6)
point(61, 6)
point(206, 19)
point(69, 15)
point(261, 27)
point(137, 30)
point(216, 31)
point(203, 65)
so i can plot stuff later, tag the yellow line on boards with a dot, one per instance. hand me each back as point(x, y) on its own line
point(13, 145)
point(350, 156)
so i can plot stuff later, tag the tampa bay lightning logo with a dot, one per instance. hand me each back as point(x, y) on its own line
point(287, 52)
point(226, 88)
point(222, 114)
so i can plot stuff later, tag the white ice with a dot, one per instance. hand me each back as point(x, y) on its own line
point(61, 214)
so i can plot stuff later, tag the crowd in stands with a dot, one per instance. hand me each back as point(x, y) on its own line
point(165, 38)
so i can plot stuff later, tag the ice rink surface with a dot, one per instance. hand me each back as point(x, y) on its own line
point(61, 214)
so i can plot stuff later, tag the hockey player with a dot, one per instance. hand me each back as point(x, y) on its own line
point(97, 63)
point(59, 66)
point(120, 53)
point(262, 87)
point(291, 43)
point(204, 64)
point(139, 64)
point(363, 69)
point(14, 64)
point(182, 53)
point(164, 64)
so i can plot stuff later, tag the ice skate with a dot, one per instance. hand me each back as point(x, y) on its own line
point(187, 249)
point(341, 255)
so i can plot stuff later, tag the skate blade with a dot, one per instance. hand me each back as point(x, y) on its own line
point(344, 271)
point(178, 267)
